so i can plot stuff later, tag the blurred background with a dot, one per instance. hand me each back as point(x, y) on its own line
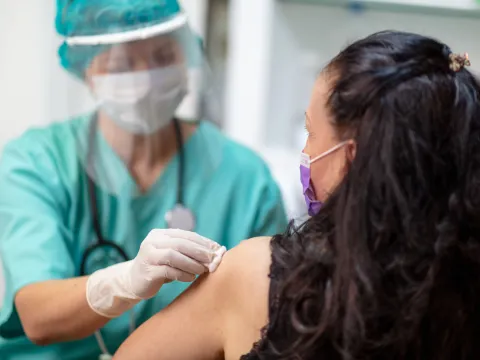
point(264, 56)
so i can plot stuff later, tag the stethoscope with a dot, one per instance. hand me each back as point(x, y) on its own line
point(103, 252)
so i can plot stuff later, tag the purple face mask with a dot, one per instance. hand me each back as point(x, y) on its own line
point(313, 205)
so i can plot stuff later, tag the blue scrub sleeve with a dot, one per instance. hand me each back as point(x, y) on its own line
point(271, 218)
point(33, 237)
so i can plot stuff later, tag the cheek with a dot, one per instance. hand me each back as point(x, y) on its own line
point(319, 179)
point(325, 176)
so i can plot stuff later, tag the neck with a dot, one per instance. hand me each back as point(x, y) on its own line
point(138, 148)
point(145, 156)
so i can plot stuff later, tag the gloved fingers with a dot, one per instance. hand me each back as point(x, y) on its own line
point(191, 236)
point(186, 247)
point(175, 260)
point(171, 274)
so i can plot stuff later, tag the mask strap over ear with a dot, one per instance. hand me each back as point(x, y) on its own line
point(328, 152)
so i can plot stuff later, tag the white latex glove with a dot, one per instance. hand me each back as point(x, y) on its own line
point(165, 255)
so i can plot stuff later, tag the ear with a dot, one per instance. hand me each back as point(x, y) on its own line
point(350, 153)
point(351, 150)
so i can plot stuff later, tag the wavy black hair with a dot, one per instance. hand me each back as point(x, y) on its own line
point(390, 267)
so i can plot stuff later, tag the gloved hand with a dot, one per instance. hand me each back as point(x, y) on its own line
point(165, 255)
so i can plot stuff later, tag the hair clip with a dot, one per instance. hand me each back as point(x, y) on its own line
point(458, 61)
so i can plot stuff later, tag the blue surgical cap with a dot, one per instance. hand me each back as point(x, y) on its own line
point(99, 17)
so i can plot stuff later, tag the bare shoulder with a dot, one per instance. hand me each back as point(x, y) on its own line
point(251, 256)
point(244, 271)
point(242, 276)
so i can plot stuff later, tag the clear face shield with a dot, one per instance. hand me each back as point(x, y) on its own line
point(148, 86)
point(139, 85)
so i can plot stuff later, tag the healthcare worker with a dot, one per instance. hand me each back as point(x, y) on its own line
point(79, 198)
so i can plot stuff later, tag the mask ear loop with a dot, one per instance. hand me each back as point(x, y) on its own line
point(328, 152)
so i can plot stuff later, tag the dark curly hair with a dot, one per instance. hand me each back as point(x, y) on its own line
point(390, 267)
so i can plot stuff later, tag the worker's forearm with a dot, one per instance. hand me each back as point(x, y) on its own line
point(57, 311)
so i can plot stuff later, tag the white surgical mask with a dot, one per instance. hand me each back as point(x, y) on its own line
point(141, 102)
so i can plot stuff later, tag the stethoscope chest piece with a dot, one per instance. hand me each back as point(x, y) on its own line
point(180, 217)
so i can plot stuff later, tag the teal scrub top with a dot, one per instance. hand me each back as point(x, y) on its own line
point(46, 222)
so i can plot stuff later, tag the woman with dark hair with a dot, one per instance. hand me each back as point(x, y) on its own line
point(388, 267)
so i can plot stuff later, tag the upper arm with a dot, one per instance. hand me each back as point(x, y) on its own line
point(31, 233)
point(221, 314)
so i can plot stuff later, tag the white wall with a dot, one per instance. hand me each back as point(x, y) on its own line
point(24, 62)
